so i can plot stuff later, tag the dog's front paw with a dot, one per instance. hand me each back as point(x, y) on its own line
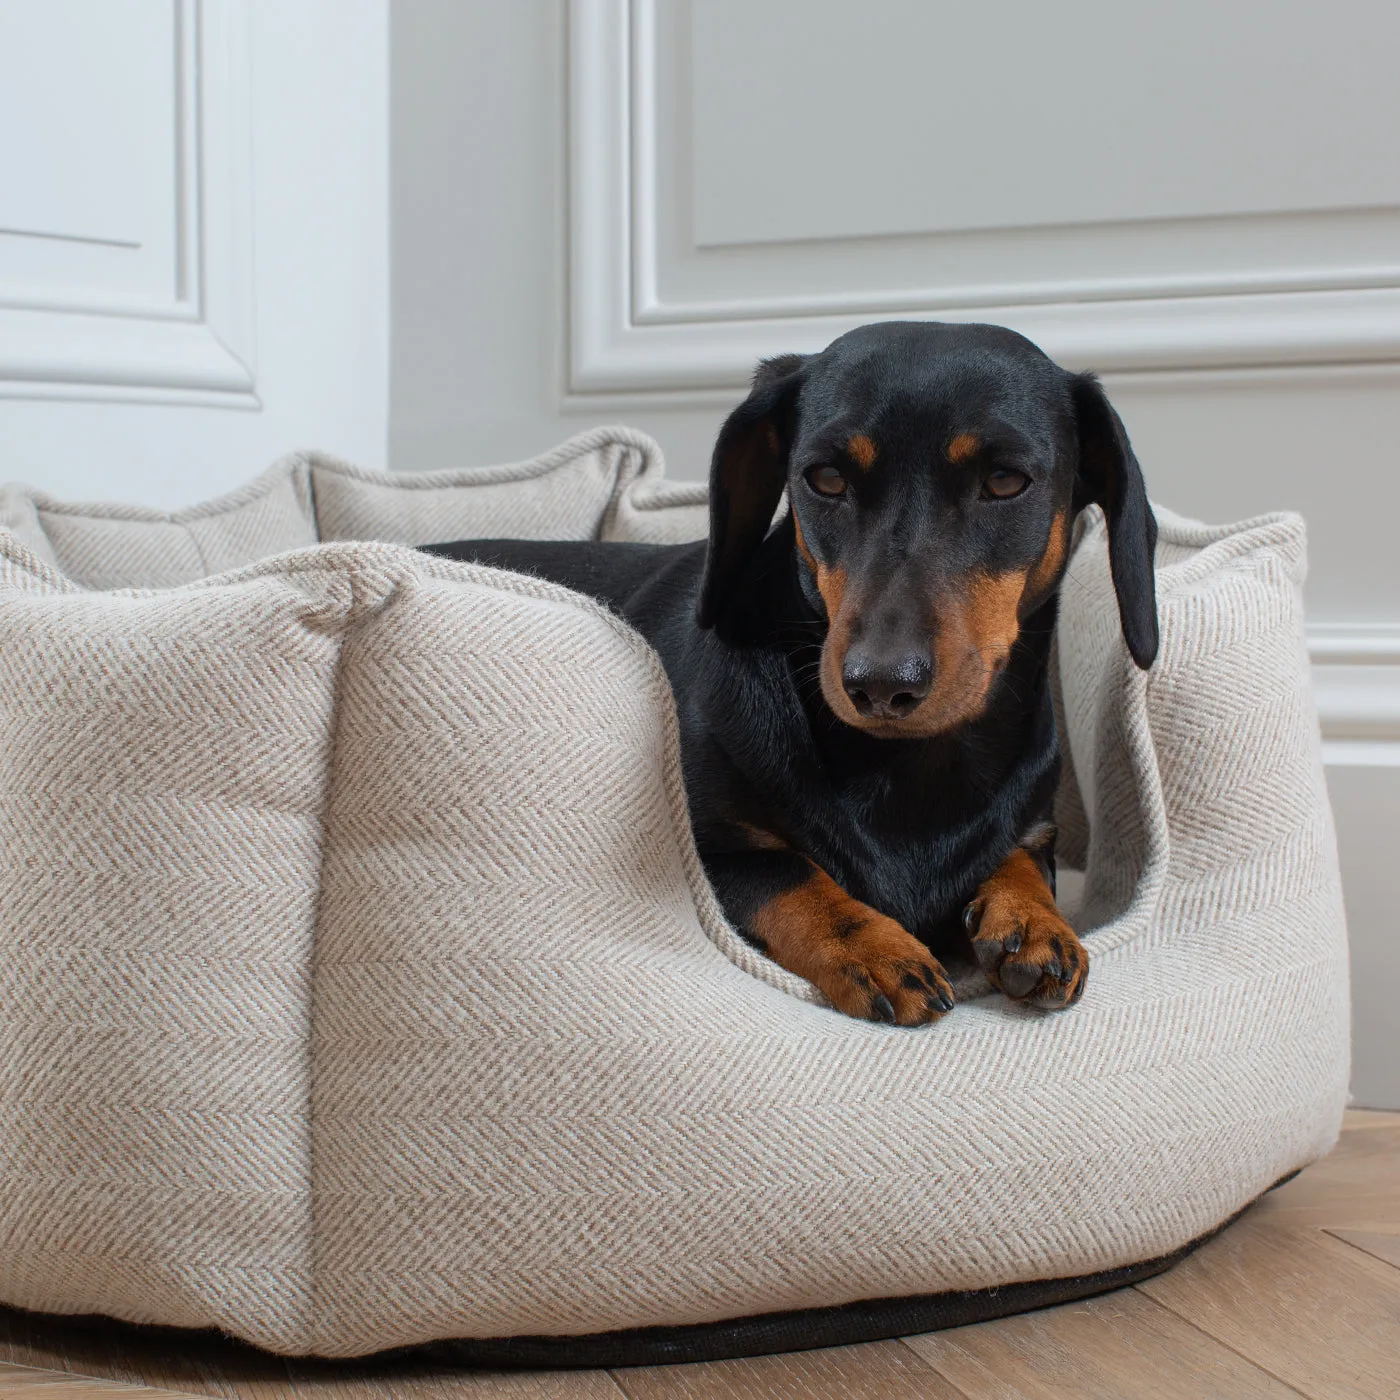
point(1026, 949)
point(881, 972)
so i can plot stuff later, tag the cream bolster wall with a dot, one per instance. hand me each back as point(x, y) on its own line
point(360, 985)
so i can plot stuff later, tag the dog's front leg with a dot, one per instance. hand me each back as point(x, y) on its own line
point(866, 964)
point(1022, 940)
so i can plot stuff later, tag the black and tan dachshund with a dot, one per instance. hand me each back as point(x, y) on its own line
point(865, 716)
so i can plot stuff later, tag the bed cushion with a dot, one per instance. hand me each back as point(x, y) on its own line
point(608, 483)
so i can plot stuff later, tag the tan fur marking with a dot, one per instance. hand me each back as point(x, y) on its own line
point(1019, 888)
point(802, 543)
point(1022, 940)
point(1045, 573)
point(851, 952)
point(992, 601)
point(862, 451)
point(962, 447)
point(831, 584)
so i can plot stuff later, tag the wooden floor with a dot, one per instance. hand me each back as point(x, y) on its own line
point(1299, 1297)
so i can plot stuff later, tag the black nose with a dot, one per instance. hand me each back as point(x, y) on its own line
point(886, 687)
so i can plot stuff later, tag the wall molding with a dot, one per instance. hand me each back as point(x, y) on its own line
point(196, 346)
point(627, 337)
point(1356, 683)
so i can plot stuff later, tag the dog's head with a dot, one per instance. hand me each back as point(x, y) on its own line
point(933, 471)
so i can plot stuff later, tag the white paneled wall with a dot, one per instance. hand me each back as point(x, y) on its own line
point(1135, 187)
point(608, 209)
point(193, 240)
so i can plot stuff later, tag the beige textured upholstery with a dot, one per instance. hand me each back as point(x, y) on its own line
point(359, 983)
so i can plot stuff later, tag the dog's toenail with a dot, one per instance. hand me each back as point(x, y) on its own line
point(970, 918)
point(1012, 943)
point(881, 1010)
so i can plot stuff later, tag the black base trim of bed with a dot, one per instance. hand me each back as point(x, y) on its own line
point(873, 1320)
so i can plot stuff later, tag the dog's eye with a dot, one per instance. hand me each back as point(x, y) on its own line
point(826, 481)
point(1002, 485)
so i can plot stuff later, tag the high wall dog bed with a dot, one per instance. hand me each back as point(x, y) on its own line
point(360, 986)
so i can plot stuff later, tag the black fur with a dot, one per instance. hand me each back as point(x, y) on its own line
point(911, 825)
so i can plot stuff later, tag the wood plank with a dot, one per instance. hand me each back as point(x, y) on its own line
point(872, 1371)
point(204, 1364)
point(197, 1363)
point(1122, 1346)
point(1316, 1313)
point(33, 1383)
point(371, 1380)
point(541, 1385)
point(1358, 1183)
point(1379, 1244)
point(1359, 1119)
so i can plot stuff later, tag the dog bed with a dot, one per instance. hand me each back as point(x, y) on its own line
point(360, 986)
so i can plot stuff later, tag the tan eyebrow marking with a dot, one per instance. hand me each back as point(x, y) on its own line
point(962, 447)
point(862, 451)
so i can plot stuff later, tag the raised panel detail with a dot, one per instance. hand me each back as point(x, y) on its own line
point(125, 200)
point(89, 177)
point(823, 119)
point(753, 176)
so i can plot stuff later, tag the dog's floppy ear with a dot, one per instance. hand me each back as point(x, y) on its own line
point(747, 475)
point(1109, 475)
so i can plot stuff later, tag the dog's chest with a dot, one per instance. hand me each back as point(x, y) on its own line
point(919, 861)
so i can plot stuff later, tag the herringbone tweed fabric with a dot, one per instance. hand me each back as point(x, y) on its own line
point(360, 986)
